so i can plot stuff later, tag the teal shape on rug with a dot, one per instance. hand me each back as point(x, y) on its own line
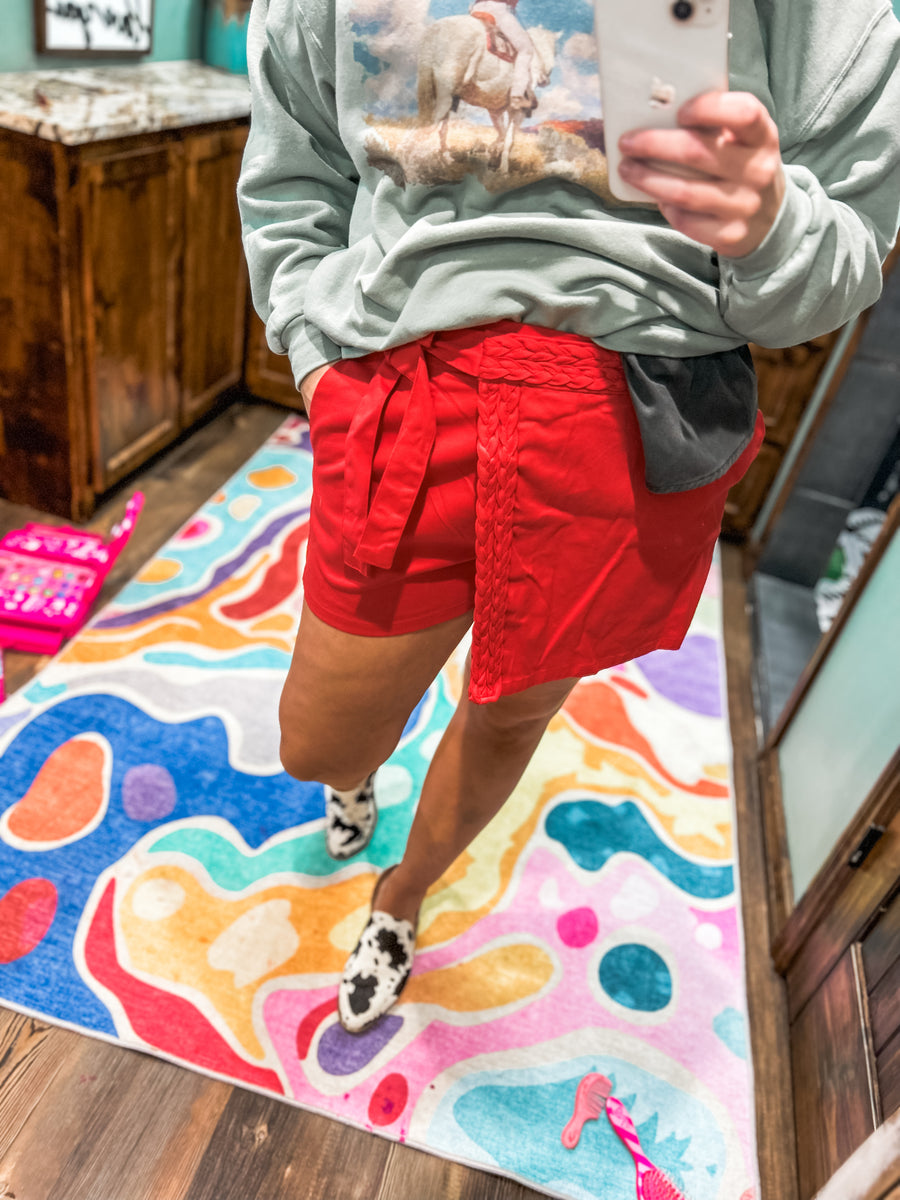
point(233, 867)
point(731, 1027)
point(266, 659)
point(39, 693)
point(636, 977)
point(517, 1117)
point(593, 832)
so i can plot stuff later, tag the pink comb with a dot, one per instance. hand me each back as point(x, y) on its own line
point(590, 1100)
point(651, 1184)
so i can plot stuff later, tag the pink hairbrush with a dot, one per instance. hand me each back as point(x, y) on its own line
point(651, 1183)
point(590, 1100)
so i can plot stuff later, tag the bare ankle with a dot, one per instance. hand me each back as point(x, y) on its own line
point(395, 894)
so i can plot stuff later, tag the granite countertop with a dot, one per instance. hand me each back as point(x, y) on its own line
point(90, 104)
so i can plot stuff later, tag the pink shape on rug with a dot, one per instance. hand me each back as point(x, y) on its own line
point(578, 927)
point(26, 913)
point(726, 922)
point(164, 1022)
point(196, 529)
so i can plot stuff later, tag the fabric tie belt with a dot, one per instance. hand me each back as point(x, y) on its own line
point(501, 363)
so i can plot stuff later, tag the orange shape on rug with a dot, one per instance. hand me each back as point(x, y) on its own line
point(601, 712)
point(67, 797)
point(499, 976)
point(159, 570)
point(272, 477)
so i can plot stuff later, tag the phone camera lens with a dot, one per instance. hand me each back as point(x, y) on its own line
point(682, 10)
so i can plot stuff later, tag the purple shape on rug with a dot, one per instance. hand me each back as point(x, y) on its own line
point(148, 792)
point(343, 1053)
point(689, 676)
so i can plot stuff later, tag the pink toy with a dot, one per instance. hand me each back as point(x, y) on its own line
point(651, 1183)
point(590, 1100)
point(50, 577)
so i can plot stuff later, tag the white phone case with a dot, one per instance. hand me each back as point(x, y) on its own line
point(655, 55)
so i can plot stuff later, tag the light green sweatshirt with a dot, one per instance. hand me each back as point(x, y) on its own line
point(361, 232)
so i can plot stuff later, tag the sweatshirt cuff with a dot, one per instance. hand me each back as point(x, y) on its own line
point(790, 227)
point(308, 348)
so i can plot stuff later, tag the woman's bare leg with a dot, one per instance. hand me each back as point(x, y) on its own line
point(347, 699)
point(345, 703)
point(480, 759)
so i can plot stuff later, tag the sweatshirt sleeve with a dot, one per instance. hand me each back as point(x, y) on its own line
point(820, 264)
point(297, 183)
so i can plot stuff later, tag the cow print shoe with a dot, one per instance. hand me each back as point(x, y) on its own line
point(376, 971)
point(350, 819)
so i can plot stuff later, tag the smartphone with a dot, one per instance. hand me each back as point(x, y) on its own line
point(654, 55)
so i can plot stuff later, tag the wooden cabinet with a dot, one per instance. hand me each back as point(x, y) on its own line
point(830, 779)
point(786, 380)
point(124, 296)
point(830, 1063)
point(214, 300)
point(131, 216)
point(268, 375)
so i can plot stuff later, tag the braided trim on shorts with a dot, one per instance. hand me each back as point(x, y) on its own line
point(497, 461)
point(581, 368)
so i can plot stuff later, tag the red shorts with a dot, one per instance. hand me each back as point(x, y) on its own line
point(500, 470)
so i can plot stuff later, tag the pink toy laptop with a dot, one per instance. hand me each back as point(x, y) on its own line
point(50, 577)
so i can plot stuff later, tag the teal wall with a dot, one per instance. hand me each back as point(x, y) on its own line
point(177, 33)
point(225, 42)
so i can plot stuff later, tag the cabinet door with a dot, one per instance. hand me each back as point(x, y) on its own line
point(131, 206)
point(268, 375)
point(786, 380)
point(834, 1106)
point(215, 282)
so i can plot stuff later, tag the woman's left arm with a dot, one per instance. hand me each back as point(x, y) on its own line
point(734, 187)
point(800, 231)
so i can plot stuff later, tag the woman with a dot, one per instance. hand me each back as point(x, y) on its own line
point(527, 401)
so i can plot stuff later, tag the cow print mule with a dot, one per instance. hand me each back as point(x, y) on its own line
point(377, 970)
point(350, 819)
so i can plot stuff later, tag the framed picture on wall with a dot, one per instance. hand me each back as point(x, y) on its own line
point(93, 28)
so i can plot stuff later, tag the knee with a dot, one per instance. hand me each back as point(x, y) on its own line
point(336, 764)
point(521, 715)
point(339, 771)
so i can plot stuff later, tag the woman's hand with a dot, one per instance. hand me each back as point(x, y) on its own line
point(731, 181)
point(309, 383)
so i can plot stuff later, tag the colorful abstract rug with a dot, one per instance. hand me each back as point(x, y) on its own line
point(165, 884)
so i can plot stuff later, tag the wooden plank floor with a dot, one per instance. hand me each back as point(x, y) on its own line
point(81, 1119)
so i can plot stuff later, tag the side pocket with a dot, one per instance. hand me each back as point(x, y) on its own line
point(308, 405)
